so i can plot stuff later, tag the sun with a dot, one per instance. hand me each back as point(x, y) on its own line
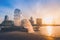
point(48, 20)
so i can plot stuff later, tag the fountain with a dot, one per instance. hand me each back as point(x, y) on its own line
point(27, 25)
point(20, 19)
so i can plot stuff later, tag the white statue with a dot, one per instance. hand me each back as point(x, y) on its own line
point(27, 24)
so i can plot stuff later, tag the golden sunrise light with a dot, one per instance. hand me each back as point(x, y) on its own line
point(29, 19)
point(48, 20)
point(49, 30)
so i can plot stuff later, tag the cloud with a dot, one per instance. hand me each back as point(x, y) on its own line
point(35, 8)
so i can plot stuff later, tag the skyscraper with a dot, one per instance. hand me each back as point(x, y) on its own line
point(6, 22)
point(39, 21)
point(6, 17)
point(17, 13)
point(31, 20)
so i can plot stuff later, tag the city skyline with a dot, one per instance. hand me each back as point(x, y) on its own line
point(35, 8)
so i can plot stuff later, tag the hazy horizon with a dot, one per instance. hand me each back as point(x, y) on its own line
point(35, 8)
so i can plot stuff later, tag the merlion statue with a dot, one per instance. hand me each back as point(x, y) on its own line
point(27, 24)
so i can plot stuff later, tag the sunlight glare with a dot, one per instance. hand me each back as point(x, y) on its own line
point(48, 20)
point(49, 30)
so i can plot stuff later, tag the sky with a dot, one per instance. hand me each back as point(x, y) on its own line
point(35, 8)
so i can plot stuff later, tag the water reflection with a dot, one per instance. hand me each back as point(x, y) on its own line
point(49, 30)
point(46, 30)
point(53, 31)
point(49, 38)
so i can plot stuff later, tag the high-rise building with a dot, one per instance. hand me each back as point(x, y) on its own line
point(17, 13)
point(31, 20)
point(6, 22)
point(39, 21)
point(6, 17)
